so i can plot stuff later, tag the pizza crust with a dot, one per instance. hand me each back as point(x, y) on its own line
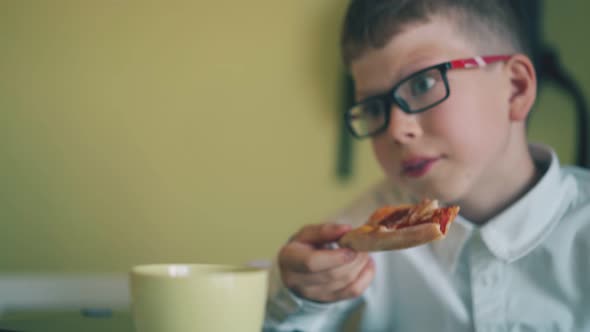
point(375, 237)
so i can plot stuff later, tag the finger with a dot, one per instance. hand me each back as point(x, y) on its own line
point(358, 287)
point(334, 279)
point(352, 290)
point(321, 234)
point(343, 276)
point(298, 257)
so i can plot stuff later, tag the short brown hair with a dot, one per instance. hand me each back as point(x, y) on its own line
point(372, 23)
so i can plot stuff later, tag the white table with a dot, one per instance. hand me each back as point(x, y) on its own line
point(65, 322)
point(48, 302)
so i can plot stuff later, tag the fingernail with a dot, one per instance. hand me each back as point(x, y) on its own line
point(343, 227)
point(349, 255)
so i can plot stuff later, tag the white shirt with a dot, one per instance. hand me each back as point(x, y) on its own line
point(527, 269)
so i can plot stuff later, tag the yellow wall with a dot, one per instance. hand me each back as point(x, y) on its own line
point(168, 131)
point(566, 26)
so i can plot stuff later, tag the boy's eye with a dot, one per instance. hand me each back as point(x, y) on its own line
point(421, 84)
point(373, 110)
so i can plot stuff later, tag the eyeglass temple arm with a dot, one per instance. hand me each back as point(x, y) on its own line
point(478, 61)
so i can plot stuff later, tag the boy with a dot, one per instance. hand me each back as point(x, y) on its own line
point(444, 89)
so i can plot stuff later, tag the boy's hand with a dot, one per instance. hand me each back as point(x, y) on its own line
point(324, 275)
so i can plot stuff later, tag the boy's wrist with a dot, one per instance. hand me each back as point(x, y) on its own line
point(286, 306)
point(305, 304)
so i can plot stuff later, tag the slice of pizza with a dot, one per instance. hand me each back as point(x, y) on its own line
point(400, 227)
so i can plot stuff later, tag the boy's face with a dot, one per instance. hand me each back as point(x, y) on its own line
point(455, 147)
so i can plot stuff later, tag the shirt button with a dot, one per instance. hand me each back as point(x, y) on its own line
point(495, 279)
point(486, 281)
point(491, 328)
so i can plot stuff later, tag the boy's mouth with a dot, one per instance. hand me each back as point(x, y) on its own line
point(417, 167)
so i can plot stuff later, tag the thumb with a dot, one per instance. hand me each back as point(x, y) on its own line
point(321, 234)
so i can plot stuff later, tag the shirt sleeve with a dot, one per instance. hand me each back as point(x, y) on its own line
point(287, 312)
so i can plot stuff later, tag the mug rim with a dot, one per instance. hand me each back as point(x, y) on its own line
point(184, 270)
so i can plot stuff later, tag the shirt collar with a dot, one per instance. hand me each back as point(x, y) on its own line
point(521, 227)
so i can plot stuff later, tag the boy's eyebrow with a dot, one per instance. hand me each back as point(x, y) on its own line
point(365, 95)
point(408, 70)
point(362, 95)
point(422, 57)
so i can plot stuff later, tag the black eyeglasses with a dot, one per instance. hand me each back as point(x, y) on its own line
point(414, 94)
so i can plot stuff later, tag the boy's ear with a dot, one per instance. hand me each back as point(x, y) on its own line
point(523, 81)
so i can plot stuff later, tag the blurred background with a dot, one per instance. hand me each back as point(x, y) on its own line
point(189, 131)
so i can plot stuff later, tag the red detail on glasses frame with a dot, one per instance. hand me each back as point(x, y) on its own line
point(478, 61)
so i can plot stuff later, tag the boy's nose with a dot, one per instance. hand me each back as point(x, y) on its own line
point(403, 128)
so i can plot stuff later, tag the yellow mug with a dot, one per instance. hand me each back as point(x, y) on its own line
point(198, 297)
